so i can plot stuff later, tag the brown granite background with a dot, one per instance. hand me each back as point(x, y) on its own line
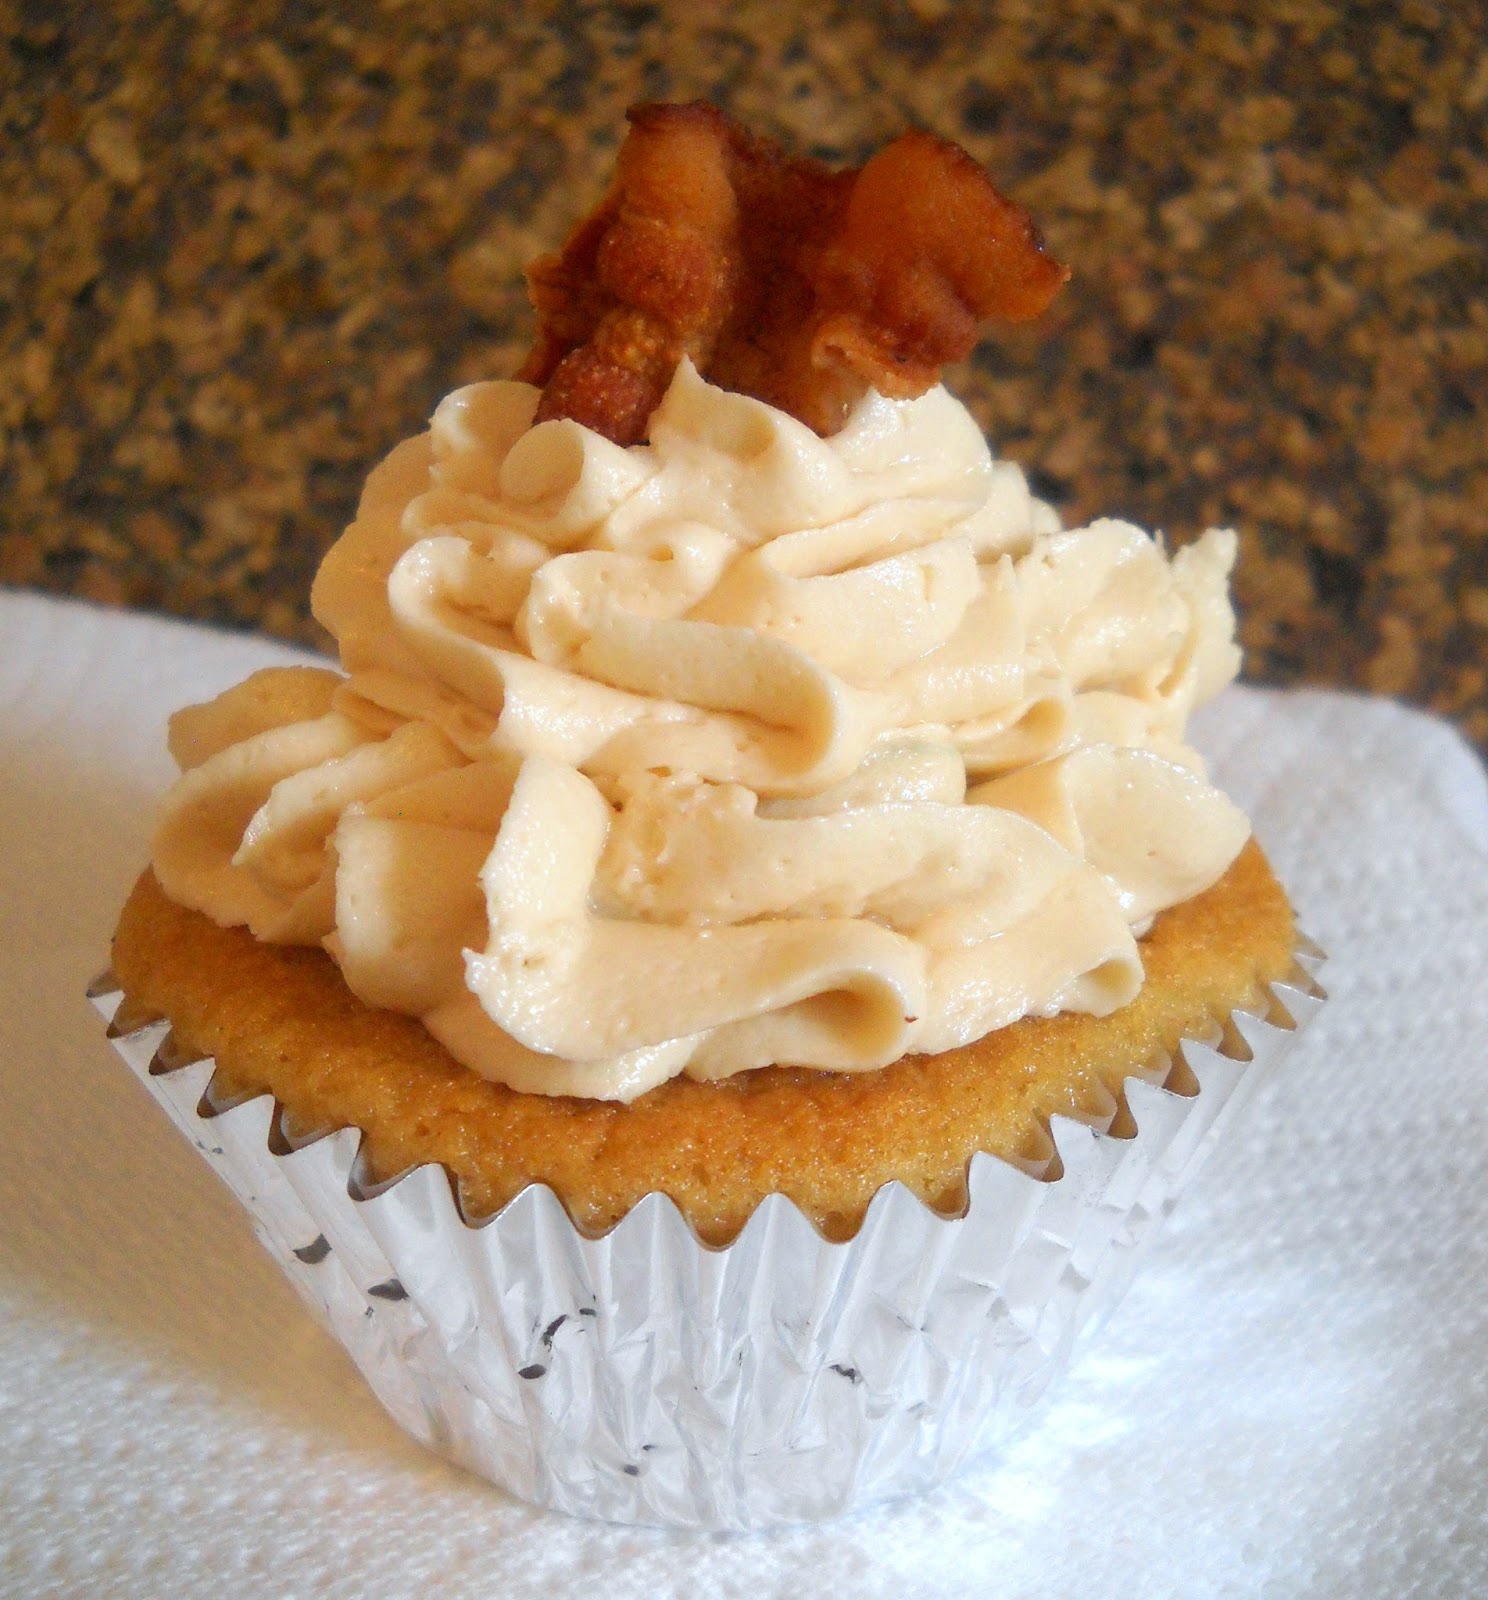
point(244, 247)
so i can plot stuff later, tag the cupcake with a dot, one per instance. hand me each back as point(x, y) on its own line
point(708, 998)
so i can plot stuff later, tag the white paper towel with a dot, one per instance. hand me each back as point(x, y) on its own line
point(1292, 1401)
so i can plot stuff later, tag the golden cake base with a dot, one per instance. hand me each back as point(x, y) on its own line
point(280, 1020)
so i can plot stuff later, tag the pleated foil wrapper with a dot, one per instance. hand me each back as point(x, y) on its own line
point(644, 1377)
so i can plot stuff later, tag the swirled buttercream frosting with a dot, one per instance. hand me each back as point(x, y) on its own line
point(739, 747)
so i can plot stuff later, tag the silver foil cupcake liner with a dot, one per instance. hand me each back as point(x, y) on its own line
point(644, 1377)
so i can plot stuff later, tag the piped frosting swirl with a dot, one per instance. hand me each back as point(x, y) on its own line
point(740, 747)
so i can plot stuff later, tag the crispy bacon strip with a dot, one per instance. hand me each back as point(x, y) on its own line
point(779, 277)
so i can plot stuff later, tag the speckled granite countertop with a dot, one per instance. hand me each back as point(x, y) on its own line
point(248, 244)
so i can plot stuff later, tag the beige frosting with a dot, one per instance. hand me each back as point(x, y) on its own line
point(740, 747)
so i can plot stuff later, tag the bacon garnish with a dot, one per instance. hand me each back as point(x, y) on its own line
point(777, 276)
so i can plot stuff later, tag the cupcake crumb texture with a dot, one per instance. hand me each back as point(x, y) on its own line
point(249, 246)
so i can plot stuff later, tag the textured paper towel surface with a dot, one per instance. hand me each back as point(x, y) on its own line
point(1292, 1401)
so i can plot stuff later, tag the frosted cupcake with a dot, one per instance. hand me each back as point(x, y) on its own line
point(713, 865)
